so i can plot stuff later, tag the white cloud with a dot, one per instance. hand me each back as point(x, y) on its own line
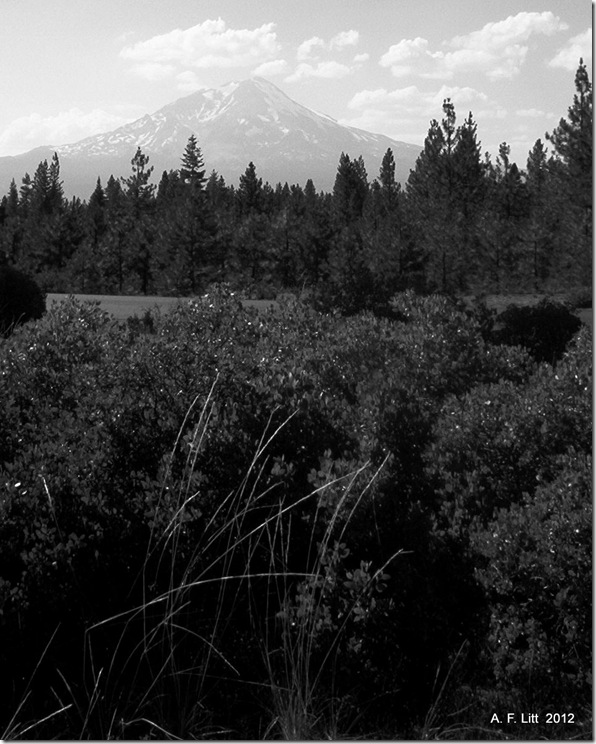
point(579, 46)
point(329, 69)
point(401, 58)
point(27, 132)
point(498, 49)
point(188, 82)
point(314, 57)
point(273, 67)
point(533, 113)
point(208, 44)
point(405, 113)
point(344, 39)
point(306, 50)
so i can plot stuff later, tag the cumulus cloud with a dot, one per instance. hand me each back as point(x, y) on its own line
point(533, 113)
point(329, 69)
point(579, 46)
point(344, 39)
point(273, 67)
point(314, 57)
point(402, 58)
point(27, 132)
point(405, 113)
point(308, 48)
point(206, 45)
point(188, 82)
point(498, 49)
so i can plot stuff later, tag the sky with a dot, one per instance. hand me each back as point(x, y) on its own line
point(73, 68)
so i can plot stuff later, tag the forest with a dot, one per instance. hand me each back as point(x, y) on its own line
point(364, 512)
point(461, 224)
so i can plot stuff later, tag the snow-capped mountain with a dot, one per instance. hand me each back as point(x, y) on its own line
point(252, 120)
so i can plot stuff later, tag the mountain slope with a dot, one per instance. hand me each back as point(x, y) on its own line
point(234, 124)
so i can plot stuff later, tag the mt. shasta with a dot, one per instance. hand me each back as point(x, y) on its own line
point(252, 120)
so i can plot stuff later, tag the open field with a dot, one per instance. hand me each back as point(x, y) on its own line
point(122, 307)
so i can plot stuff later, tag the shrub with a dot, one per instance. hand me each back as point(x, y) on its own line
point(535, 566)
point(544, 329)
point(288, 456)
point(21, 299)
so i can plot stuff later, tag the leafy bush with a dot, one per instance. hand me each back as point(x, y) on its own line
point(225, 490)
point(21, 299)
point(544, 329)
point(535, 566)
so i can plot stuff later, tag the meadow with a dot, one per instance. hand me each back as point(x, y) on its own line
point(125, 306)
point(224, 520)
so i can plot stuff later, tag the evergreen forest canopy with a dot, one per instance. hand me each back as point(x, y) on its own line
point(462, 223)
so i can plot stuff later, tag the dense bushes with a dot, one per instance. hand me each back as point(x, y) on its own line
point(20, 299)
point(329, 509)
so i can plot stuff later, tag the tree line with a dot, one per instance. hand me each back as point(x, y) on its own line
point(462, 223)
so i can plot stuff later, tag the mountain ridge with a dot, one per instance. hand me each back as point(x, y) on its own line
point(242, 121)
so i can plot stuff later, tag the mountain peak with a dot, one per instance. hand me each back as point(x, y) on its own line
point(242, 121)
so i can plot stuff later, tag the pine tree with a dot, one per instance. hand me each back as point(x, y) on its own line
point(387, 256)
point(572, 141)
point(542, 231)
point(55, 190)
point(350, 190)
point(192, 171)
point(11, 230)
point(250, 191)
point(141, 234)
point(445, 192)
point(502, 225)
point(113, 246)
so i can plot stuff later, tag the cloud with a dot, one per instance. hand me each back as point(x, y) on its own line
point(314, 57)
point(579, 46)
point(497, 50)
point(329, 69)
point(206, 45)
point(273, 67)
point(344, 39)
point(188, 82)
point(405, 113)
point(27, 132)
point(402, 58)
point(306, 49)
point(533, 113)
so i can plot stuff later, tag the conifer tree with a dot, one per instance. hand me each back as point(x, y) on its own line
point(11, 228)
point(141, 234)
point(444, 194)
point(192, 171)
point(572, 141)
point(350, 189)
